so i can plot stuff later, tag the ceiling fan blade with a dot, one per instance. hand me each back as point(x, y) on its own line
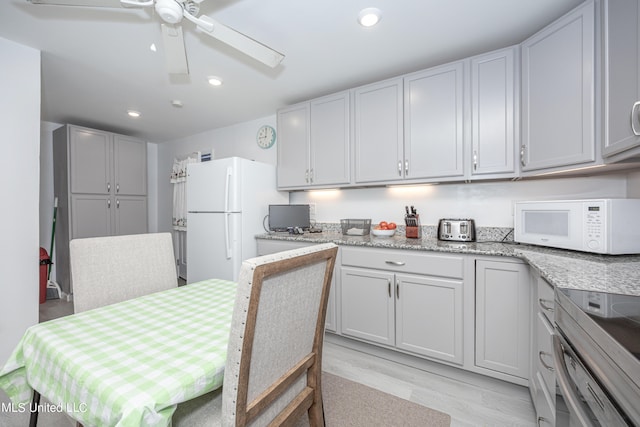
point(174, 51)
point(237, 40)
point(85, 3)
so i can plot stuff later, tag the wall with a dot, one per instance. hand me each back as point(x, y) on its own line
point(237, 140)
point(490, 204)
point(20, 145)
point(633, 185)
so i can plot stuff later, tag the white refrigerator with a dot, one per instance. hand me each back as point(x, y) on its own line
point(227, 201)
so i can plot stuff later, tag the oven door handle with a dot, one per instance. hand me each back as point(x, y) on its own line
point(562, 375)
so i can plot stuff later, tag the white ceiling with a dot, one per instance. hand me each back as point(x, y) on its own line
point(96, 62)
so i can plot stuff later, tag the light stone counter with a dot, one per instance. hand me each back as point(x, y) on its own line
point(561, 268)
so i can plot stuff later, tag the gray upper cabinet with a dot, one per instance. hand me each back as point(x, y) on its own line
point(330, 140)
point(558, 85)
point(130, 166)
point(379, 152)
point(621, 78)
point(494, 130)
point(314, 143)
point(293, 146)
point(434, 123)
point(90, 155)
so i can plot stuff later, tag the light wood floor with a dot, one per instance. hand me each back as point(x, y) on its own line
point(469, 403)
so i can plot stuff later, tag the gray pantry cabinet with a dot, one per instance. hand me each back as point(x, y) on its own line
point(621, 79)
point(314, 143)
point(100, 180)
point(558, 93)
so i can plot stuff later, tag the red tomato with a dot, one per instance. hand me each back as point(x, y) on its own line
point(392, 226)
point(383, 223)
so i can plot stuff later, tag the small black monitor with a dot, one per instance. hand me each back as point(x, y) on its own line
point(284, 217)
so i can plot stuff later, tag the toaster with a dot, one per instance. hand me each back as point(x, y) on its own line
point(457, 230)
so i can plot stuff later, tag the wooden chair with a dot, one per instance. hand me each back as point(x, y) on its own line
point(106, 270)
point(274, 358)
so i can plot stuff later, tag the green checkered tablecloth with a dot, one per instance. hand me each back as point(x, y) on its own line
point(127, 364)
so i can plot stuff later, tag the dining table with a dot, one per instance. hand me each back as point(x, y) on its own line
point(127, 364)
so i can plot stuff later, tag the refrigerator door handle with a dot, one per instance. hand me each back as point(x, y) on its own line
point(227, 234)
point(227, 190)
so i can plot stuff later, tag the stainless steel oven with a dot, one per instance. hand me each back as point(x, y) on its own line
point(597, 357)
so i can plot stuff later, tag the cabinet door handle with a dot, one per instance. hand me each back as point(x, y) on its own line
point(108, 187)
point(522, 155)
point(542, 420)
point(541, 303)
point(399, 167)
point(406, 168)
point(398, 290)
point(109, 204)
point(475, 160)
point(389, 287)
point(306, 176)
point(118, 203)
point(395, 262)
point(117, 188)
point(311, 176)
point(633, 122)
point(548, 367)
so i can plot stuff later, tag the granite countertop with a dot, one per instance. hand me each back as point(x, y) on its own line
point(561, 268)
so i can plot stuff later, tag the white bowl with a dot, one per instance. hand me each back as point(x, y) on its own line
point(383, 233)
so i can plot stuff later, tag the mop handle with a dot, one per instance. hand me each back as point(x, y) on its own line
point(53, 233)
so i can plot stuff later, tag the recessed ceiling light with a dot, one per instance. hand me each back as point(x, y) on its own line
point(369, 17)
point(133, 113)
point(214, 81)
point(177, 103)
point(153, 47)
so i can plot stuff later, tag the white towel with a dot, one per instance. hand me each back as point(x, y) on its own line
point(179, 180)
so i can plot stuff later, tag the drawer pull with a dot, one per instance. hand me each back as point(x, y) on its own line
point(542, 304)
point(389, 287)
point(397, 290)
point(395, 262)
point(548, 367)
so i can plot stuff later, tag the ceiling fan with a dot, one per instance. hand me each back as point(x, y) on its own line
point(172, 12)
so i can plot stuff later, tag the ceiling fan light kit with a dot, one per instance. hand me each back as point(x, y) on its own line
point(171, 12)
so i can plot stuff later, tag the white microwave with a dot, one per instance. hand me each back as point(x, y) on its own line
point(603, 226)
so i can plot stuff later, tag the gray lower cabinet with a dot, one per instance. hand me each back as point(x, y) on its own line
point(265, 247)
point(503, 307)
point(621, 77)
point(558, 93)
point(405, 300)
point(100, 180)
point(550, 408)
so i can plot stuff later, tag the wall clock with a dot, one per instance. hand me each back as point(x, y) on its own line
point(266, 136)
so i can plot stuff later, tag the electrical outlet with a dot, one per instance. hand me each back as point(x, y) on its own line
point(312, 211)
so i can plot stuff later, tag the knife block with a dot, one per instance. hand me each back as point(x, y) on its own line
point(413, 231)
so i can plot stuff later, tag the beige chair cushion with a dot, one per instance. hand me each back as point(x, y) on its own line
point(107, 270)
